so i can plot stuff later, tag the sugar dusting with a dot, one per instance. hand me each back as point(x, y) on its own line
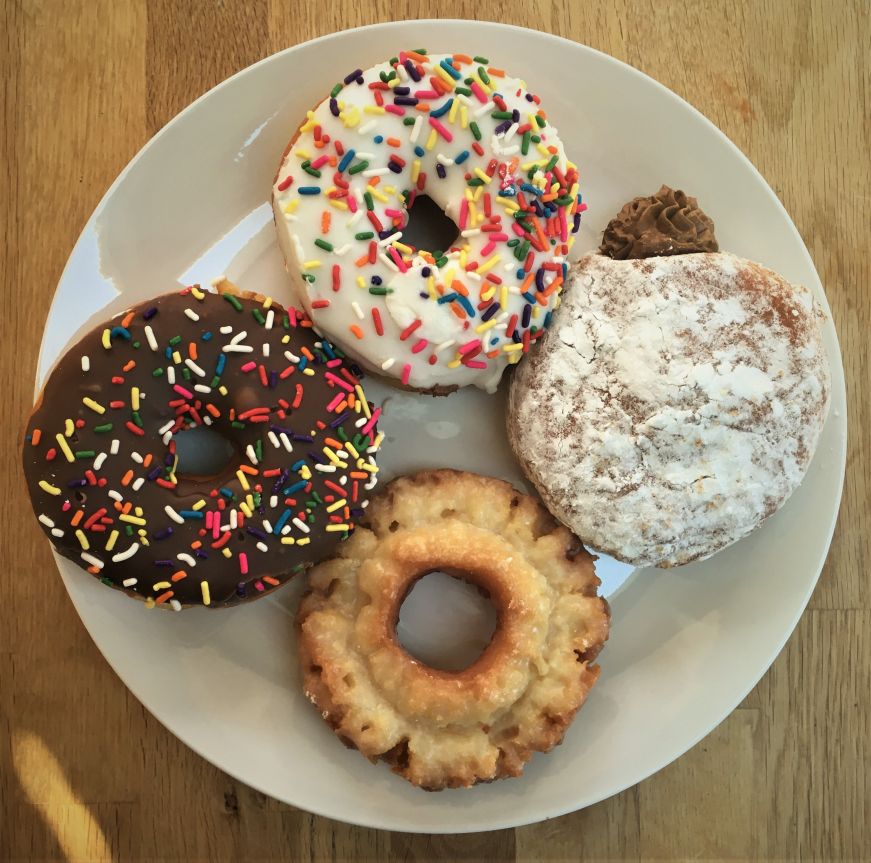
point(674, 404)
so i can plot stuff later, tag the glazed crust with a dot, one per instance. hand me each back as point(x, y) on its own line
point(441, 729)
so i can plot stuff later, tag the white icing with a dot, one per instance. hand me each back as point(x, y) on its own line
point(412, 295)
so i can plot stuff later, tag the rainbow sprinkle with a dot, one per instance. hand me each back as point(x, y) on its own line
point(472, 138)
point(108, 489)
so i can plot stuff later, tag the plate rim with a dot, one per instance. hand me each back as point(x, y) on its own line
point(838, 400)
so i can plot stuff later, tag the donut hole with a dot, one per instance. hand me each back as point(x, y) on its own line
point(429, 227)
point(446, 622)
point(203, 453)
point(81, 497)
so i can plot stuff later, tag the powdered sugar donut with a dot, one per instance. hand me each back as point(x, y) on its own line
point(478, 143)
point(674, 404)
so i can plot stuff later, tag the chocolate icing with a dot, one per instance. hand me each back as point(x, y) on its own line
point(310, 409)
point(667, 223)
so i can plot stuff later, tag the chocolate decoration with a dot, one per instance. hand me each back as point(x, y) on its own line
point(667, 223)
point(258, 375)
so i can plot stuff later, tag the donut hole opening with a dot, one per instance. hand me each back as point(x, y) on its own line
point(203, 453)
point(446, 622)
point(429, 227)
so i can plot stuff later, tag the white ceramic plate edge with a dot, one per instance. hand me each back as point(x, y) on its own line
point(838, 403)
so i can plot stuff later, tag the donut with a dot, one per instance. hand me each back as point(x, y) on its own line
point(101, 462)
point(477, 143)
point(441, 729)
point(674, 405)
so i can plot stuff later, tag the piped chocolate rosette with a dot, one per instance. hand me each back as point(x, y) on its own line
point(667, 223)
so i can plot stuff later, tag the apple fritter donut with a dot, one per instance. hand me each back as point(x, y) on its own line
point(442, 729)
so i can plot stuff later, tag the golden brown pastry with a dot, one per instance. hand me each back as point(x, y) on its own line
point(452, 729)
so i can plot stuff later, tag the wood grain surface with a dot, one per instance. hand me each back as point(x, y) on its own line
point(87, 774)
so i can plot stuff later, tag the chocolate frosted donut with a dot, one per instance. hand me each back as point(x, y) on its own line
point(102, 467)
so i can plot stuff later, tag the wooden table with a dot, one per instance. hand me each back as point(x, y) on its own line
point(87, 774)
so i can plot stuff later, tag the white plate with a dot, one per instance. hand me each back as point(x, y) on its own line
point(686, 645)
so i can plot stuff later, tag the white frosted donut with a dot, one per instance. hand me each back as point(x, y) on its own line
point(479, 145)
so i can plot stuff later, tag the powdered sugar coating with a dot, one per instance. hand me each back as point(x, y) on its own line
point(674, 404)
